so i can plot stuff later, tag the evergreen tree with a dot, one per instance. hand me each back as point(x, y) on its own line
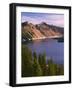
point(37, 71)
point(60, 70)
point(51, 68)
point(26, 62)
point(35, 55)
point(54, 69)
point(42, 62)
point(40, 59)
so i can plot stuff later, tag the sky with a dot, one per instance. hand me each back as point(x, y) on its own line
point(37, 18)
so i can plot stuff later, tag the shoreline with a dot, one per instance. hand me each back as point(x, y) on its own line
point(51, 37)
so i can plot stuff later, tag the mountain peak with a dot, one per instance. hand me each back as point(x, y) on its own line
point(44, 23)
point(32, 31)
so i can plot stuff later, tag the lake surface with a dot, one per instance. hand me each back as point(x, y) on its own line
point(51, 47)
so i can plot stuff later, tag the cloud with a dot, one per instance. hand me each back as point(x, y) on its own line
point(54, 19)
point(29, 19)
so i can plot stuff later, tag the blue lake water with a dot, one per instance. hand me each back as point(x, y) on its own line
point(51, 47)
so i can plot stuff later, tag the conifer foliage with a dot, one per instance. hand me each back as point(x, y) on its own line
point(33, 65)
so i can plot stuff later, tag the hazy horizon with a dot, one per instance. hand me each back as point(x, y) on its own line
point(49, 18)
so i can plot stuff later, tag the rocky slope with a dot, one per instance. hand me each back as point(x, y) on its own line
point(40, 31)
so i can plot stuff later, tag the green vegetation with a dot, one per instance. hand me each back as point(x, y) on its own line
point(33, 65)
point(55, 69)
point(37, 71)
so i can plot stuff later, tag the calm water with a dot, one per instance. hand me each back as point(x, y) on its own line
point(51, 47)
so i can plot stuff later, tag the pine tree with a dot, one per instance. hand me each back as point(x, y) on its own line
point(26, 62)
point(42, 62)
point(60, 70)
point(37, 71)
point(52, 69)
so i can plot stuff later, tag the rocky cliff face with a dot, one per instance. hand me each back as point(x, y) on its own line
point(42, 30)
